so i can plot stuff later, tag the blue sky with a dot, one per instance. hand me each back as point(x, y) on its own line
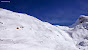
point(56, 12)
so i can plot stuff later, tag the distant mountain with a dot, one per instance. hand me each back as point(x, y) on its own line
point(79, 32)
point(19, 31)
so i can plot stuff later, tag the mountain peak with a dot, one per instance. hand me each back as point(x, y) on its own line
point(83, 18)
point(79, 32)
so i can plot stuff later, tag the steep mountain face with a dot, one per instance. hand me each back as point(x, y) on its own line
point(79, 32)
point(23, 32)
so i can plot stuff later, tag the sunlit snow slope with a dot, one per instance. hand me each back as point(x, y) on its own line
point(23, 32)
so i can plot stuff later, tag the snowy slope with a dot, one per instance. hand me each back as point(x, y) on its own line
point(23, 32)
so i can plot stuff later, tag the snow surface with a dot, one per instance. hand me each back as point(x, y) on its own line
point(19, 31)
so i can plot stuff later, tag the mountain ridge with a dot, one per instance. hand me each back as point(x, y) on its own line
point(20, 31)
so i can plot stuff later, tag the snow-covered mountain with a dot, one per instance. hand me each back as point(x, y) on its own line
point(79, 32)
point(19, 31)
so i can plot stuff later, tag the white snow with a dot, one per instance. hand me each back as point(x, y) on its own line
point(20, 31)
